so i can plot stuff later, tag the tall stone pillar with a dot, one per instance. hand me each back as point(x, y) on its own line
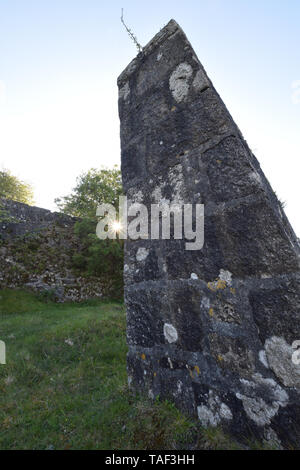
point(210, 329)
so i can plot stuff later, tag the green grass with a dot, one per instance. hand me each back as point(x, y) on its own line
point(18, 302)
point(65, 384)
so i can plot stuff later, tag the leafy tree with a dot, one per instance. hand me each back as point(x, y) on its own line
point(101, 258)
point(13, 188)
point(92, 188)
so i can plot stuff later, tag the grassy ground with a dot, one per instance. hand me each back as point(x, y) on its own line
point(65, 386)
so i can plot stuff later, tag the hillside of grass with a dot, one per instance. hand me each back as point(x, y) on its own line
point(64, 385)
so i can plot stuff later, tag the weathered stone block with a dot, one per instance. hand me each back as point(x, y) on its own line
point(147, 311)
point(230, 171)
point(276, 309)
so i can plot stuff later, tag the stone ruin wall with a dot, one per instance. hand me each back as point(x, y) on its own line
point(210, 329)
point(20, 219)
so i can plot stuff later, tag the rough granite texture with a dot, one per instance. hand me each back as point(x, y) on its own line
point(210, 329)
point(36, 251)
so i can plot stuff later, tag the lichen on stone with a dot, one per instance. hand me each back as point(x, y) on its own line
point(170, 333)
point(179, 81)
point(142, 254)
point(256, 407)
point(124, 91)
point(214, 411)
point(279, 356)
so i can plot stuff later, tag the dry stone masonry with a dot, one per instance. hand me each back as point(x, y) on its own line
point(210, 329)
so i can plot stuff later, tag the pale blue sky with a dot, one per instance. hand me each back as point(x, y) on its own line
point(59, 61)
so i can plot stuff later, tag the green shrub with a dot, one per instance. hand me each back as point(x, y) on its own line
point(47, 295)
point(100, 258)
